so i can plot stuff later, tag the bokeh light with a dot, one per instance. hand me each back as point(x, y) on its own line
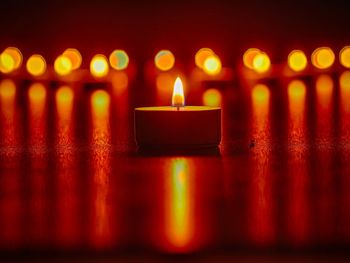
point(261, 62)
point(212, 65)
point(74, 56)
point(64, 95)
point(297, 60)
point(37, 92)
point(344, 56)
point(249, 56)
point(7, 89)
point(212, 98)
point(100, 101)
point(260, 93)
point(344, 79)
point(36, 65)
point(164, 60)
point(202, 55)
point(323, 58)
point(99, 66)
point(119, 59)
point(10, 59)
point(344, 83)
point(324, 90)
point(63, 65)
point(7, 63)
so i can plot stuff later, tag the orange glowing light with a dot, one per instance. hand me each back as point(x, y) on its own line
point(37, 92)
point(10, 59)
point(296, 95)
point(119, 59)
point(212, 65)
point(260, 96)
point(164, 60)
point(323, 58)
point(202, 55)
point(74, 56)
point(7, 63)
point(212, 97)
point(63, 65)
point(64, 96)
point(178, 98)
point(7, 89)
point(344, 82)
point(324, 90)
point(99, 66)
point(36, 65)
point(297, 60)
point(261, 62)
point(344, 56)
point(100, 101)
point(248, 57)
point(179, 219)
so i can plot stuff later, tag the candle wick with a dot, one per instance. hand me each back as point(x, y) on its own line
point(178, 108)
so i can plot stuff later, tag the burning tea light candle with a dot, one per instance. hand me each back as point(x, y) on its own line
point(178, 126)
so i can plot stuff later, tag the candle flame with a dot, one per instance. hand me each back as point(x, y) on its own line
point(178, 99)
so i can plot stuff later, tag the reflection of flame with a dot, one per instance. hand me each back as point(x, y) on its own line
point(324, 89)
point(7, 103)
point(344, 81)
point(261, 225)
point(37, 101)
point(178, 99)
point(260, 101)
point(179, 207)
point(100, 103)
point(297, 204)
point(66, 181)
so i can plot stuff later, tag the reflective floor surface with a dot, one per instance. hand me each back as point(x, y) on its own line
point(72, 181)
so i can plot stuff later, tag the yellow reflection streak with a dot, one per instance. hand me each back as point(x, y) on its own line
point(64, 104)
point(296, 96)
point(260, 101)
point(262, 206)
point(7, 103)
point(179, 224)
point(100, 106)
point(324, 90)
point(212, 98)
point(344, 82)
point(66, 182)
point(298, 209)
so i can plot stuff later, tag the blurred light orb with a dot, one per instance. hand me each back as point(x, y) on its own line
point(10, 59)
point(100, 99)
point(344, 80)
point(297, 60)
point(36, 65)
point(37, 92)
point(261, 62)
point(323, 58)
point(344, 56)
point(99, 66)
point(63, 65)
point(202, 55)
point(212, 65)
point(119, 59)
point(7, 63)
point(249, 56)
point(74, 56)
point(7, 89)
point(212, 98)
point(64, 95)
point(296, 89)
point(260, 93)
point(164, 60)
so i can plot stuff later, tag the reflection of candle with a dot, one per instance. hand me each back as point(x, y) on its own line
point(179, 210)
point(178, 125)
